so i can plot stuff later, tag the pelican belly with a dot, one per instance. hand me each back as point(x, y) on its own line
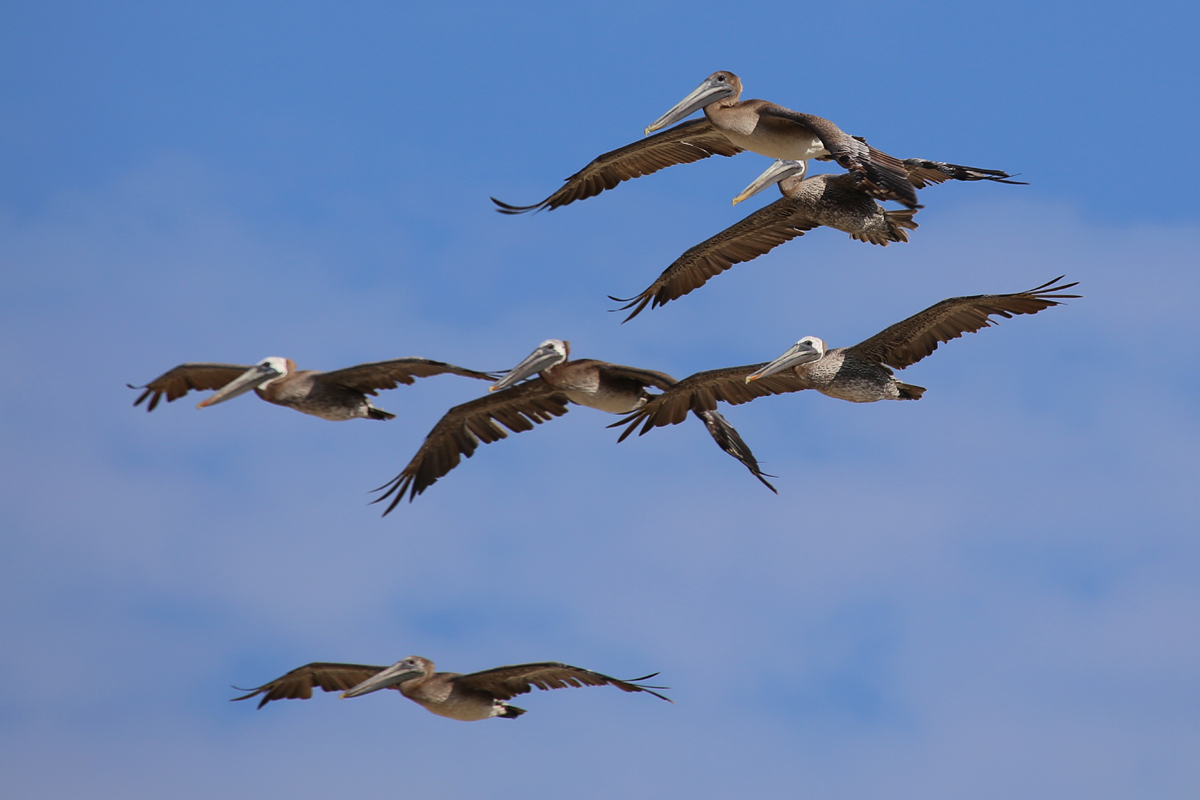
point(860, 391)
point(333, 403)
point(466, 709)
point(794, 145)
point(336, 413)
point(614, 401)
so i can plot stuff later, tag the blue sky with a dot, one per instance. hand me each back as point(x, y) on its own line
point(990, 593)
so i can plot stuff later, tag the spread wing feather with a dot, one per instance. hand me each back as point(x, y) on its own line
point(702, 391)
point(922, 173)
point(298, 684)
point(505, 683)
point(177, 382)
point(910, 340)
point(682, 144)
point(464, 427)
point(642, 377)
point(377, 375)
point(759, 233)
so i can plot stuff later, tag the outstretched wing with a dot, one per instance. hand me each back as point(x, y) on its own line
point(881, 175)
point(377, 375)
point(505, 683)
point(464, 427)
point(682, 144)
point(759, 233)
point(702, 392)
point(724, 434)
point(298, 684)
point(921, 173)
point(185, 378)
point(636, 375)
point(909, 341)
point(729, 440)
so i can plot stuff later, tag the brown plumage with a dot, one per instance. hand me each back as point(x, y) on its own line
point(683, 144)
point(337, 395)
point(859, 374)
point(474, 696)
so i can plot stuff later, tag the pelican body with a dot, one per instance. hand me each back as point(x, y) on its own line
point(338, 395)
point(834, 201)
point(471, 697)
point(517, 406)
point(859, 374)
point(780, 133)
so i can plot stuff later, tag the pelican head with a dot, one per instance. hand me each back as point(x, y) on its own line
point(406, 670)
point(264, 372)
point(808, 349)
point(718, 86)
point(775, 173)
point(548, 353)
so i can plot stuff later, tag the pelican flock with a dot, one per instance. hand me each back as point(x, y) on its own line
point(519, 406)
point(546, 383)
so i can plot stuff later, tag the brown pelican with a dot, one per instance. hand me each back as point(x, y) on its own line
point(597, 384)
point(859, 374)
point(341, 394)
point(779, 132)
point(835, 201)
point(477, 695)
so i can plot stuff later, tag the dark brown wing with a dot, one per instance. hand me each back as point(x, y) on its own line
point(642, 377)
point(729, 440)
point(298, 684)
point(759, 233)
point(369, 378)
point(724, 434)
point(464, 427)
point(881, 175)
point(505, 683)
point(682, 144)
point(909, 341)
point(921, 173)
point(185, 378)
point(702, 392)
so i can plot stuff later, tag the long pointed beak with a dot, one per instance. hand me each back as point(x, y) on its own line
point(708, 92)
point(250, 379)
point(392, 676)
point(775, 173)
point(797, 354)
point(535, 362)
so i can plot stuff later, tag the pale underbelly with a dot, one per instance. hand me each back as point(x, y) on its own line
point(777, 145)
point(613, 402)
point(467, 710)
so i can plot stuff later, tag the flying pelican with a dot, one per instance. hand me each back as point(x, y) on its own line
point(477, 695)
point(835, 201)
point(859, 374)
point(779, 132)
point(338, 395)
point(597, 384)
